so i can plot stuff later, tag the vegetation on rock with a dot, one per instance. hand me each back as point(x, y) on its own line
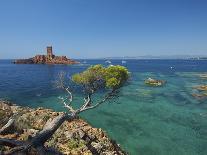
point(75, 137)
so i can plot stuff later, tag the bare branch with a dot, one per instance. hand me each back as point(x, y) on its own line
point(60, 82)
point(107, 97)
point(70, 108)
point(86, 103)
point(7, 126)
point(10, 142)
point(17, 149)
point(37, 142)
point(70, 96)
point(94, 106)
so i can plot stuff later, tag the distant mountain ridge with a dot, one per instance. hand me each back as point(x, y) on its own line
point(196, 57)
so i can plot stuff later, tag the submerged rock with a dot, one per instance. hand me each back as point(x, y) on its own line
point(154, 82)
point(203, 76)
point(200, 96)
point(72, 138)
point(201, 88)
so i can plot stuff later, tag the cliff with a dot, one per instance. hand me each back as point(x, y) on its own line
point(50, 58)
point(72, 138)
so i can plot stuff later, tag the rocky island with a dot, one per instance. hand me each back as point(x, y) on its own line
point(72, 138)
point(50, 58)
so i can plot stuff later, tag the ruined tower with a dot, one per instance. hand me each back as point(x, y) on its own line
point(49, 53)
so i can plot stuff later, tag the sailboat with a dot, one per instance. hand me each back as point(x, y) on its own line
point(108, 61)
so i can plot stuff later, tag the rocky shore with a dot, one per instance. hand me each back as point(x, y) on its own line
point(72, 138)
point(50, 58)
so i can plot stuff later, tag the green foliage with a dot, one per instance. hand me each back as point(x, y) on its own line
point(116, 76)
point(74, 143)
point(97, 77)
point(88, 77)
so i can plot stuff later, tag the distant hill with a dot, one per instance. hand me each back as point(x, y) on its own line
point(191, 57)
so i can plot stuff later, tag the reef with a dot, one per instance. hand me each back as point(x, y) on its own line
point(76, 137)
point(203, 76)
point(201, 88)
point(200, 96)
point(154, 82)
point(202, 92)
point(50, 58)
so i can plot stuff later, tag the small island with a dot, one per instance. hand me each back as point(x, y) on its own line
point(50, 58)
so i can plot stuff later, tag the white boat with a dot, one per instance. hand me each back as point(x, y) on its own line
point(108, 61)
point(123, 61)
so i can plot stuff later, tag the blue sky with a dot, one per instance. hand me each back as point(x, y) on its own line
point(103, 28)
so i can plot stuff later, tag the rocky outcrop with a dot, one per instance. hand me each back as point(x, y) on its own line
point(201, 92)
point(50, 58)
point(72, 138)
point(154, 82)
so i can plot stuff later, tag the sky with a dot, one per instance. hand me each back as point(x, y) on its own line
point(103, 28)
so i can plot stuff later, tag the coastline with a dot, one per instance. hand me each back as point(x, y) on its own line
point(75, 137)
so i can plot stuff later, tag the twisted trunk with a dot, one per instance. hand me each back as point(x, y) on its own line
point(37, 141)
point(7, 126)
point(49, 129)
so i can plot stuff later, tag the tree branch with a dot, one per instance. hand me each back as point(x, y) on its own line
point(87, 102)
point(70, 108)
point(38, 140)
point(10, 142)
point(7, 126)
point(108, 96)
point(49, 129)
point(70, 94)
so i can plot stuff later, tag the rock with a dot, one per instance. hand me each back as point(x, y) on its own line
point(46, 59)
point(203, 76)
point(72, 138)
point(97, 146)
point(154, 82)
point(81, 133)
point(69, 134)
point(201, 88)
point(200, 96)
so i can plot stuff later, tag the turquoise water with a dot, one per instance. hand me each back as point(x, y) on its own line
point(145, 120)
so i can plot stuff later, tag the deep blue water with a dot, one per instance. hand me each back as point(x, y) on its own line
point(146, 121)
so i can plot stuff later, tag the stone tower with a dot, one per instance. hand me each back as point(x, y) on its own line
point(49, 53)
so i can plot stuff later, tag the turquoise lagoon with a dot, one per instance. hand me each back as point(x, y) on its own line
point(145, 120)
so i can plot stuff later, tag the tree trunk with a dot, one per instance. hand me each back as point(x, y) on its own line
point(7, 126)
point(38, 141)
point(49, 129)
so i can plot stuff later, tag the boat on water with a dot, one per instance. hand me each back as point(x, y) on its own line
point(108, 61)
point(123, 62)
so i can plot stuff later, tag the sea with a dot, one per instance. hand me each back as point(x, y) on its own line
point(144, 120)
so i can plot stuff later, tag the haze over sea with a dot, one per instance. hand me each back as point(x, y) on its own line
point(145, 120)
